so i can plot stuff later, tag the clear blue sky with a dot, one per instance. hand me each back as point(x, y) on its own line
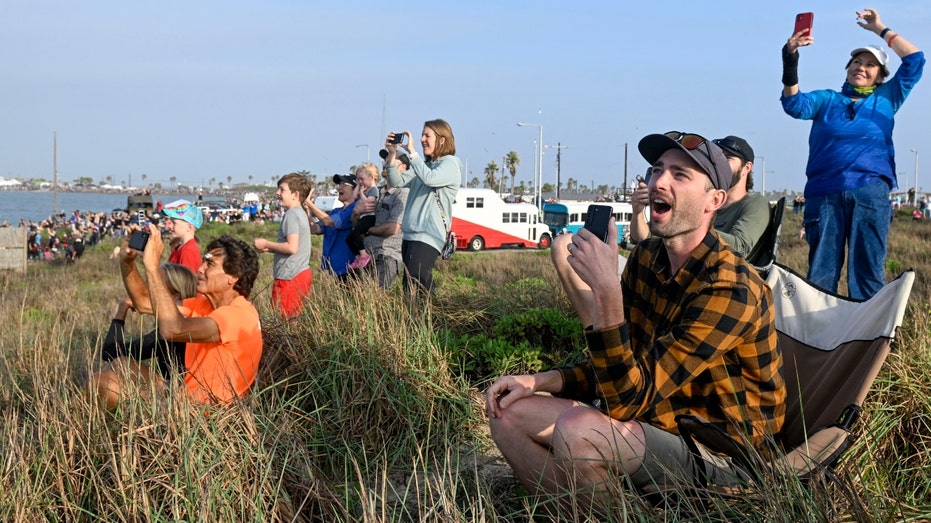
point(211, 89)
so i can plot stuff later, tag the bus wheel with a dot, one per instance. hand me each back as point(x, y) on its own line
point(476, 243)
point(545, 242)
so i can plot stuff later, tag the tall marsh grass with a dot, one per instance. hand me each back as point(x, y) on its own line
point(359, 415)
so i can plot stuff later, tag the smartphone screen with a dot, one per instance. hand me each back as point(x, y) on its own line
point(596, 221)
point(803, 22)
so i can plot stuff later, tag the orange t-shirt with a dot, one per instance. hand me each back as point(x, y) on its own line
point(219, 371)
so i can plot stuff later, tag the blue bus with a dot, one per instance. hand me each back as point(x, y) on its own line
point(563, 217)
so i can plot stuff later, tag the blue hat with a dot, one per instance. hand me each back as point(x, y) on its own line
point(185, 211)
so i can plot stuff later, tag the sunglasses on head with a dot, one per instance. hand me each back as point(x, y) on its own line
point(692, 142)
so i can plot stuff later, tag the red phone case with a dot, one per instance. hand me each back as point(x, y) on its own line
point(803, 22)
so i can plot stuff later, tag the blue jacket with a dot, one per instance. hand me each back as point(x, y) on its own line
point(422, 219)
point(336, 253)
point(850, 146)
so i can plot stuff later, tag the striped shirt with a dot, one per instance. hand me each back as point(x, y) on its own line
point(702, 342)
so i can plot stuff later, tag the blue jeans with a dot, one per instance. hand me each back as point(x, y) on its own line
point(857, 219)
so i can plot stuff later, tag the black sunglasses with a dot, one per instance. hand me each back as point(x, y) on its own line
point(692, 142)
point(727, 143)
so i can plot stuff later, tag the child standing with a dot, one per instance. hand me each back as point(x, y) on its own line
point(293, 278)
point(367, 177)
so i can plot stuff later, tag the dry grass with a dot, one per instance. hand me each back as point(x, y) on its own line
point(356, 416)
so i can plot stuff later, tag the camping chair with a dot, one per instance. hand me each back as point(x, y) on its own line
point(765, 252)
point(832, 349)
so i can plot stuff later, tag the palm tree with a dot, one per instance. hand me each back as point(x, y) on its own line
point(229, 181)
point(474, 182)
point(490, 180)
point(511, 161)
point(173, 179)
point(144, 176)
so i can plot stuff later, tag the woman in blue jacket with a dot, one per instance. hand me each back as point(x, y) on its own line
point(851, 160)
point(433, 182)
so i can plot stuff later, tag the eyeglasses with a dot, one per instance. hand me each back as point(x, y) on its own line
point(851, 110)
point(692, 142)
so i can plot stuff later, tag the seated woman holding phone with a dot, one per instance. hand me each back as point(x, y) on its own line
point(219, 326)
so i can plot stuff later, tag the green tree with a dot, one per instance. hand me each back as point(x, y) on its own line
point(474, 182)
point(173, 179)
point(511, 161)
point(491, 181)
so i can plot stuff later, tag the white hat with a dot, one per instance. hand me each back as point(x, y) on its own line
point(875, 51)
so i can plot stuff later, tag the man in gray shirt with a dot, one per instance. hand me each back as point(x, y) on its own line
point(384, 238)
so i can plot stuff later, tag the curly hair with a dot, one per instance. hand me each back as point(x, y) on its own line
point(239, 260)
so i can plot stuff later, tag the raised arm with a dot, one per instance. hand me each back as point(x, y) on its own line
point(790, 61)
point(869, 20)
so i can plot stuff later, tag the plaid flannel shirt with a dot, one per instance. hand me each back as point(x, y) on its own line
point(702, 342)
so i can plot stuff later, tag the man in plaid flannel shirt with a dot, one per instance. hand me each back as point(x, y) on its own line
point(689, 329)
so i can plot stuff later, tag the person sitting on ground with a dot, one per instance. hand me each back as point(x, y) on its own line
point(136, 357)
point(220, 326)
point(183, 219)
point(367, 176)
point(689, 330)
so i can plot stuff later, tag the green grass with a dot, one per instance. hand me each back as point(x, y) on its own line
point(361, 412)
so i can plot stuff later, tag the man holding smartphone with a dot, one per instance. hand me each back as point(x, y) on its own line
point(688, 330)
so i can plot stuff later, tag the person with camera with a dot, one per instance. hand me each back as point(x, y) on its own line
point(219, 326)
point(689, 330)
point(384, 238)
point(183, 219)
point(851, 158)
point(433, 182)
point(335, 226)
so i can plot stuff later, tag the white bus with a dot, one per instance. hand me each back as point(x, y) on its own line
point(482, 220)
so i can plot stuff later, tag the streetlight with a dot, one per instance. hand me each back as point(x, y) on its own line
point(367, 156)
point(763, 164)
point(915, 203)
point(539, 177)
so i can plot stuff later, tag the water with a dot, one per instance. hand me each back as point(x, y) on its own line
point(39, 205)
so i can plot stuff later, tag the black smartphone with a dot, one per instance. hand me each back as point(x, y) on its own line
point(399, 138)
point(138, 239)
point(596, 221)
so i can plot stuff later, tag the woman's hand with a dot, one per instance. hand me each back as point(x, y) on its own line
point(799, 39)
point(870, 20)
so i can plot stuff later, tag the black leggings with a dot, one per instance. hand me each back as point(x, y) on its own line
point(354, 240)
point(168, 355)
point(419, 259)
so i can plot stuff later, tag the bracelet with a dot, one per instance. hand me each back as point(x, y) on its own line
point(894, 36)
point(883, 33)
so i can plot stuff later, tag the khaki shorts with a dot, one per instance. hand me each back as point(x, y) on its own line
point(668, 461)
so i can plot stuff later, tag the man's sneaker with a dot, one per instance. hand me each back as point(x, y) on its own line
point(361, 261)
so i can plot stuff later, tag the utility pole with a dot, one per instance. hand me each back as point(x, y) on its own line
point(559, 147)
point(625, 171)
point(55, 172)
